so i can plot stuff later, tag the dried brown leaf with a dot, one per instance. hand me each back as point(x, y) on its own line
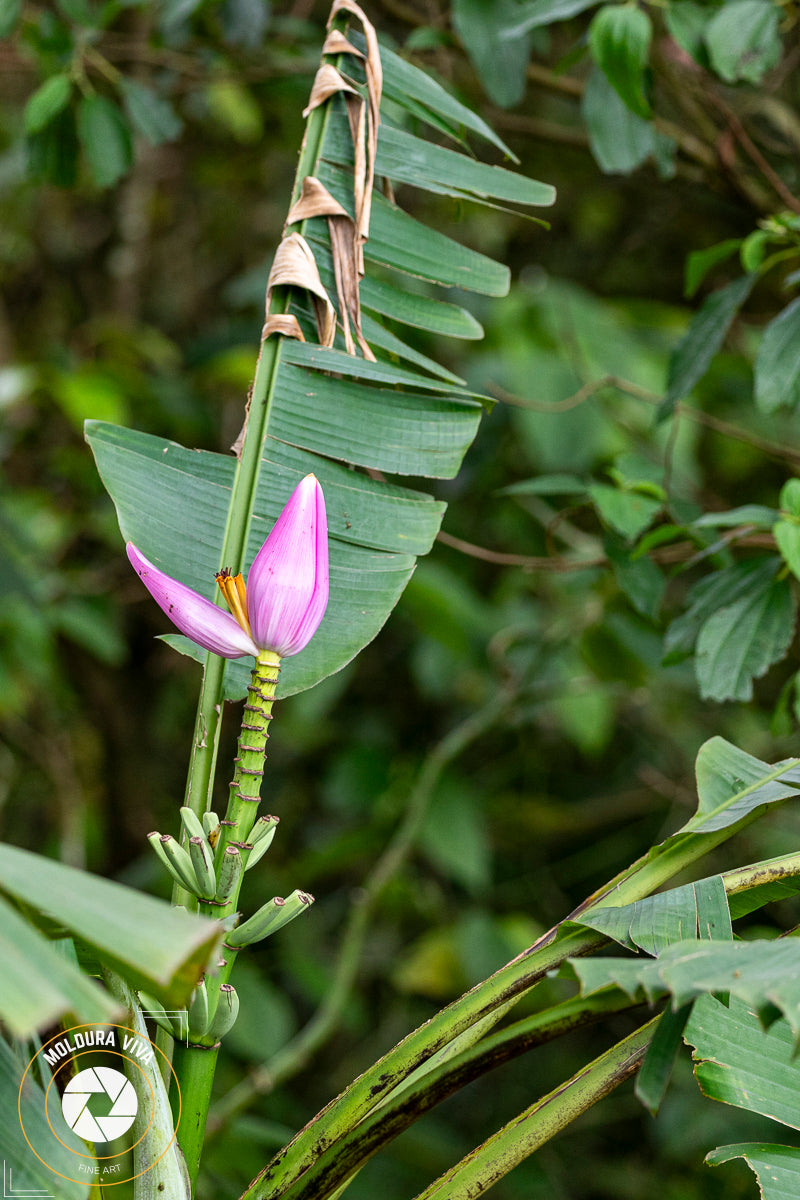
point(327, 82)
point(363, 123)
point(374, 68)
point(316, 201)
point(345, 269)
point(347, 236)
point(294, 266)
point(286, 324)
point(337, 43)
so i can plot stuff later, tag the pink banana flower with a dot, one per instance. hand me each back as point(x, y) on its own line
point(284, 600)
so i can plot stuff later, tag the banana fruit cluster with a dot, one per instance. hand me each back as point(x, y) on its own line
point(193, 865)
point(214, 879)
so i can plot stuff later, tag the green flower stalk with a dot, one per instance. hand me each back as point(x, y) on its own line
point(273, 615)
point(245, 788)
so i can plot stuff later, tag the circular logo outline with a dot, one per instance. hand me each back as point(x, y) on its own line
point(107, 1025)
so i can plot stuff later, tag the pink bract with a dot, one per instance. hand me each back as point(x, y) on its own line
point(287, 588)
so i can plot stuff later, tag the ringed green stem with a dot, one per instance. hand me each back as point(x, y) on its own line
point(195, 1063)
point(245, 789)
point(321, 1026)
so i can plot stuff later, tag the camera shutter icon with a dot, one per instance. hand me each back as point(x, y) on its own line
point(75, 1104)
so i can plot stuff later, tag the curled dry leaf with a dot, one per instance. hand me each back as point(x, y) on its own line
point(348, 236)
point(294, 266)
point(327, 82)
point(284, 323)
point(364, 122)
point(316, 201)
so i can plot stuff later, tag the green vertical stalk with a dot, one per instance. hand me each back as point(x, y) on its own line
point(195, 1065)
point(159, 1167)
point(209, 711)
point(195, 1062)
point(208, 719)
point(205, 742)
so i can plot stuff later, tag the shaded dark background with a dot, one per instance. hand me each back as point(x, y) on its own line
point(142, 304)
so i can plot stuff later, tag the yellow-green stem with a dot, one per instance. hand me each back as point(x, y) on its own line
point(245, 788)
point(195, 1063)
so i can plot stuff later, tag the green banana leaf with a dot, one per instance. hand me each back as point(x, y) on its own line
point(669, 917)
point(764, 975)
point(25, 1175)
point(149, 943)
point(350, 421)
point(777, 1168)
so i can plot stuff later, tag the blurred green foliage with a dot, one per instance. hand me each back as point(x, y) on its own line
point(620, 551)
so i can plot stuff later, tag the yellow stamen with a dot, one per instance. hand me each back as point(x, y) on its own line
point(233, 589)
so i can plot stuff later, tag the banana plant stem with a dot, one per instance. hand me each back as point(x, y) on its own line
point(259, 410)
point(195, 1067)
point(512, 981)
point(411, 1100)
point(364, 1093)
point(296, 1053)
point(541, 1121)
point(245, 789)
point(195, 1061)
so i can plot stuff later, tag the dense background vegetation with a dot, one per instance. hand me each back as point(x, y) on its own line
point(140, 204)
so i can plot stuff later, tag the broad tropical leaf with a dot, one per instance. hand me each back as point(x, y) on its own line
point(38, 984)
point(26, 1175)
point(694, 910)
point(733, 787)
point(731, 784)
point(151, 944)
point(764, 975)
point(375, 532)
point(348, 419)
point(777, 1168)
point(739, 1062)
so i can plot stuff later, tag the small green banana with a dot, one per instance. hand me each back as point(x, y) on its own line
point(226, 1014)
point(230, 872)
point(203, 864)
point(175, 859)
point(271, 917)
